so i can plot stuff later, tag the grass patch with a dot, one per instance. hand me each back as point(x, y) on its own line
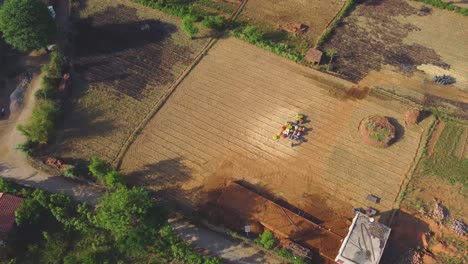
point(444, 5)
point(263, 40)
point(442, 163)
point(346, 8)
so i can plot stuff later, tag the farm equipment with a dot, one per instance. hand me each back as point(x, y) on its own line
point(444, 79)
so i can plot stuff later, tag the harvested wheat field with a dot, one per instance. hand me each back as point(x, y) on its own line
point(315, 14)
point(220, 122)
point(126, 57)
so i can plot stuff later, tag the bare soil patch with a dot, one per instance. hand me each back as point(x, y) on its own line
point(218, 126)
point(126, 56)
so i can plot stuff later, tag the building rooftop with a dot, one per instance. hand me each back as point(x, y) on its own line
point(8, 205)
point(364, 243)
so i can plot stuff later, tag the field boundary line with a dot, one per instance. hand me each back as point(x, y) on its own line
point(155, 108)
point(422, 145)
point(117, 161)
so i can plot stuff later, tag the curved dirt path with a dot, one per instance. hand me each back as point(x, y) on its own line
point(14, 166)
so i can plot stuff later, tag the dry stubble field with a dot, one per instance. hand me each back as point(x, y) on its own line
point(218, 126)
point(121, 72)
point(315, 14)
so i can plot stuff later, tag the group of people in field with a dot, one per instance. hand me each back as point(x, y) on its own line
point(293, 130)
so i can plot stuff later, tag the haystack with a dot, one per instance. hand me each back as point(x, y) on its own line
point(412, 116)
point(377, 131)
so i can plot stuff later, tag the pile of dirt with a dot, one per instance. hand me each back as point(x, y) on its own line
point(412, 116)
point(377, 131)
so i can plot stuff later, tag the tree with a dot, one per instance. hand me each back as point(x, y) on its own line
point(188, 24)
point(266, 240)
point(26, 24)
point(130, 217)
point(98, 168)
point(41, 125)
point(331, 53)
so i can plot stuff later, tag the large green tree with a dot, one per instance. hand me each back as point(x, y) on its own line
point(26, 24)
point(131, 218)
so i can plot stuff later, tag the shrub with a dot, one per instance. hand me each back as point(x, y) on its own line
point(215, 22)
point(114, 179)
point(41, 125)
point(266, 240)
point(287, 254)
point(445, 5)
point(26, 24)
point(255, 36)
point(188, 24)
point(7, 186)
point(98, 168)
point(70, 172)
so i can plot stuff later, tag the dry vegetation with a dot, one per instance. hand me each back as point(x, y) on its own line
point(122, 70)
point(398, 33)
point(219, 123)
point(270, 14)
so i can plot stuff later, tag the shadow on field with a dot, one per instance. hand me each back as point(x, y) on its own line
point(95, 124)
point(117, 49)
point(399, 130)
point(407, 233)
point(168, 173)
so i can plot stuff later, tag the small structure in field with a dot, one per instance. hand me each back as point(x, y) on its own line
point(365, 242)
point(314, 56)
point(377, 131)
point(295, 28)
point(412, 117)
point(8, 205)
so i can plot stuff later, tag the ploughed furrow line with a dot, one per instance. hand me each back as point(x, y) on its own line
point(188, 149)
point(267, 139)
point(219, 123)
point(222, 117)
point(317, 125)
point(155, 150)
point(307, 158)
point(172, 150)
point(228, 141)
point(245, 85)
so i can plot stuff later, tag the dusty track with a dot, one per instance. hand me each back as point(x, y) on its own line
point(220, 121)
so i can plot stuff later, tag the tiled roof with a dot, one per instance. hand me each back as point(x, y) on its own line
point(8, 205)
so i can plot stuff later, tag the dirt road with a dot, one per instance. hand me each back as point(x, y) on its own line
point(13, 164)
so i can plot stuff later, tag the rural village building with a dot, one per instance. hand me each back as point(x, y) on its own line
point(8, 205)
point(364, 243)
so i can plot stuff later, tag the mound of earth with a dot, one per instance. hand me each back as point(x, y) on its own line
point(412, 116)
point(377, 131)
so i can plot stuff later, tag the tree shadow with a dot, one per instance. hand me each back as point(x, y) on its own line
point(83, 124)
point(118, 50)
point(170, 172)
